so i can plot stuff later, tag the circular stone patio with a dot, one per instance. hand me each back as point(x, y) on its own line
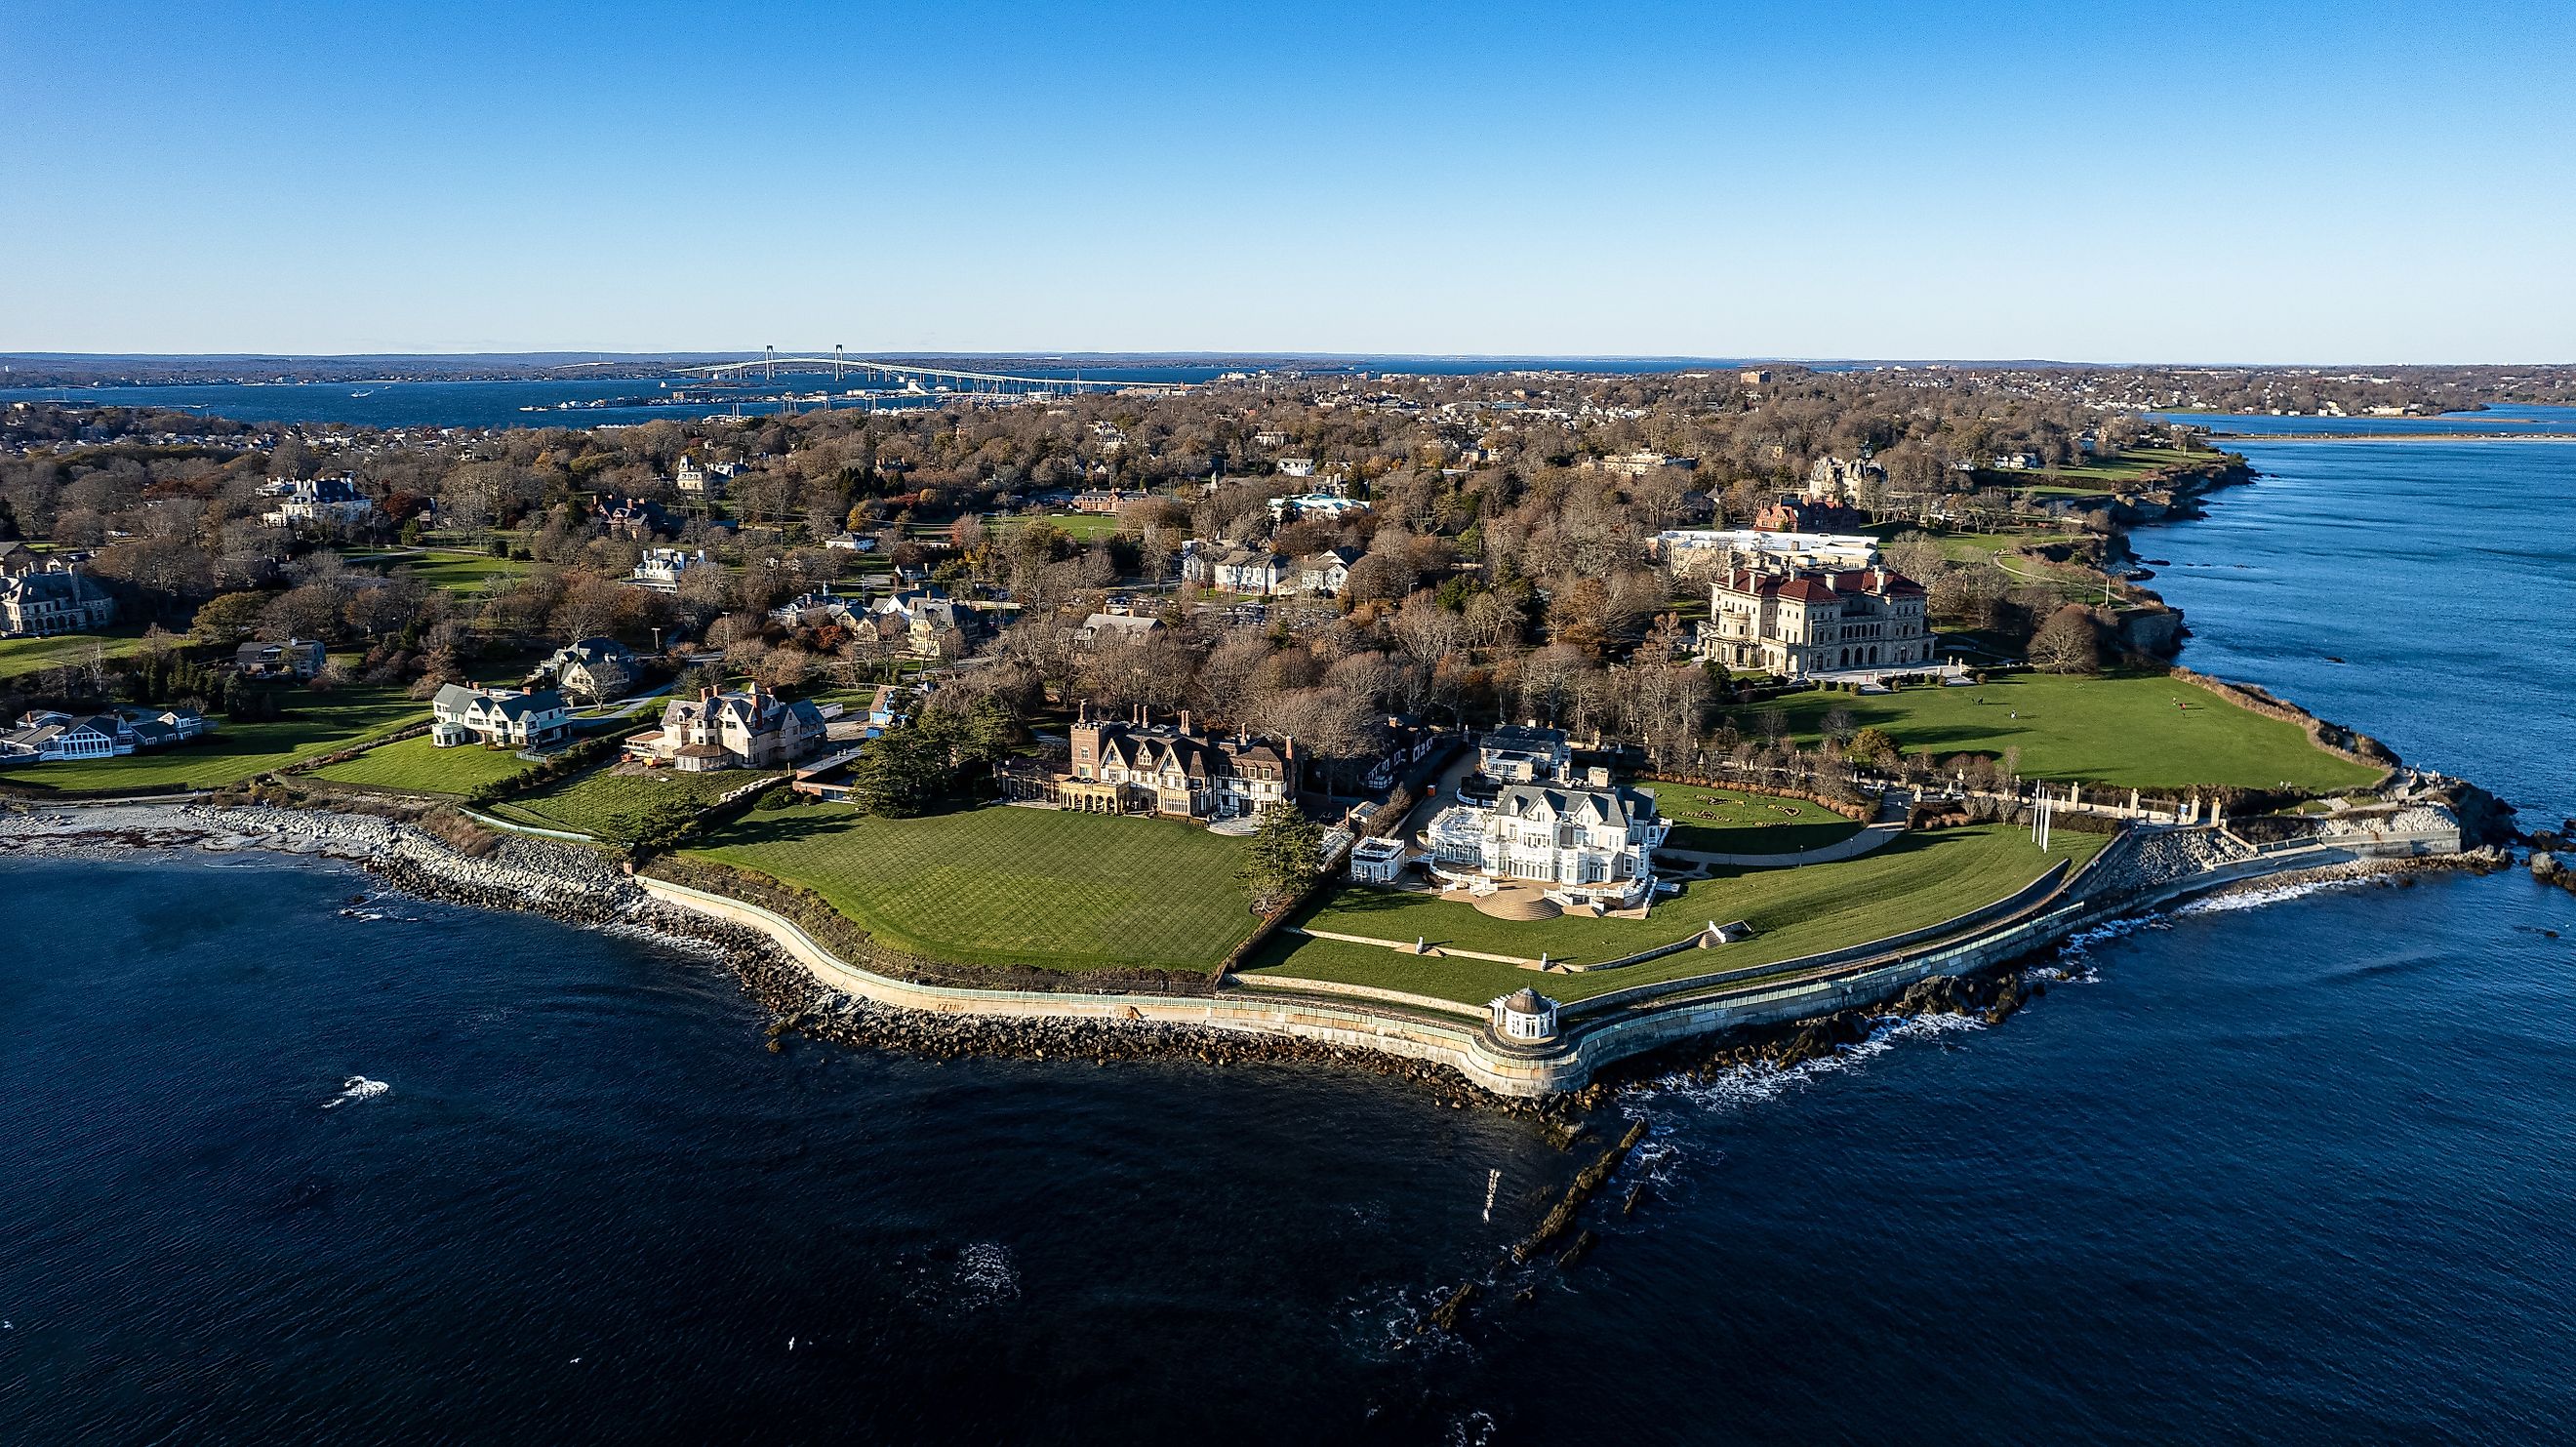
point(1516, 901)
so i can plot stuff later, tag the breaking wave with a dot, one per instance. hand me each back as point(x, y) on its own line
point(357, 1087)
point(2258, 898)
point(1759, 1081)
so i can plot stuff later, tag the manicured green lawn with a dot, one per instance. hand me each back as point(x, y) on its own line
point(1082, 527)
point(458, 570)
point(2121, 730)
point(322, 723)
point(2107, 474)
point(1917, 880)
point(1011, 886)
point(414, 765)
point(620, 804)
point(1967, 547)
point(31, 655)
point(462, 572)
point(1731, 821)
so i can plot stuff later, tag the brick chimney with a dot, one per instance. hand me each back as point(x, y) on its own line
point(1185, 720)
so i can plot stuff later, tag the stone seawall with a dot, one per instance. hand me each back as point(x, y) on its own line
point(1434, 1044)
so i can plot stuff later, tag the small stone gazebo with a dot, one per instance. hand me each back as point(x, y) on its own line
point(1524, 1015)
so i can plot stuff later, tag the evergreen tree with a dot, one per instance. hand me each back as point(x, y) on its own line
point(1283, 859)
point(901, 774)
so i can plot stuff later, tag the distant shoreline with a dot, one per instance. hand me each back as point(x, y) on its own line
point(2392, 437)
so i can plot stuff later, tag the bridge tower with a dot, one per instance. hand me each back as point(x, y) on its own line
point(769, 364)
point(836, 361)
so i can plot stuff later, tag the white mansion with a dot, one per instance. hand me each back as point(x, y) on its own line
point(1804, 622)
point(1589, 843)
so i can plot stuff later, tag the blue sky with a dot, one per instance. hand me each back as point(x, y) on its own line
point(2175, 181)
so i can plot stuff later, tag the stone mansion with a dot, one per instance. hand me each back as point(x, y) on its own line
point(1137, 766)
point(1800, 622)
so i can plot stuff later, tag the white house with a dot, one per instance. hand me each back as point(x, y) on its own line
point(1695, 549)
point(46, 736)
point(1317, 504)
point(594, 668)
point(1297, 467)
point(706, 480)
point(315, 500)
point(1590, 846)
point(1249, 570)
point(1377, 861)
point(497, 717)
point(661, 568)
point(1525, 754)
point(1328, 571)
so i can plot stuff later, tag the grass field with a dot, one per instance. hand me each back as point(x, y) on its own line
point(1082, 527)
point(1009, 886)
point(2110, 474)
point(31, 655)
point(461, 572)
point(458, 570)
point(621, 804)
point(414, 766)
point(1731, 821)
point(1917, 880)
point(1975, 547)
point(2120, 730)
point(323, 723)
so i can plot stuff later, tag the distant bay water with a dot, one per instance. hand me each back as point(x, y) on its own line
point(582, 401)
point(2275, 1169)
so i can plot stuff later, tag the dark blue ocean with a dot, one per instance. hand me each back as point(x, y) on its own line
point(2296, 1170)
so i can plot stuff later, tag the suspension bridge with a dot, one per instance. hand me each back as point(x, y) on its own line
point(921, 378)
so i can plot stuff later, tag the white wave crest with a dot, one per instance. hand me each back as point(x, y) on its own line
point(357, 1087)
point(1752, 1084)
point(985, 1275)
point(2257, 898)
point(1473, 1430)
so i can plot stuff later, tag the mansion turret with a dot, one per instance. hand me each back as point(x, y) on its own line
point(1805, 622)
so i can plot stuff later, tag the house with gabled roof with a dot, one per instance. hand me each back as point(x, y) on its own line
point(1137, 766)
point(47, 736)
point(1249, 570)
point(593, 668)
point(751, 729)
point(1582, 846)
point(512, 718)
point(293, 658)
point(1328, 571)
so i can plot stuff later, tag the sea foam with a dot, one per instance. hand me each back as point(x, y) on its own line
point(357, 1087)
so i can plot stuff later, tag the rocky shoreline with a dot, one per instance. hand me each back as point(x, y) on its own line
point(581, 887)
